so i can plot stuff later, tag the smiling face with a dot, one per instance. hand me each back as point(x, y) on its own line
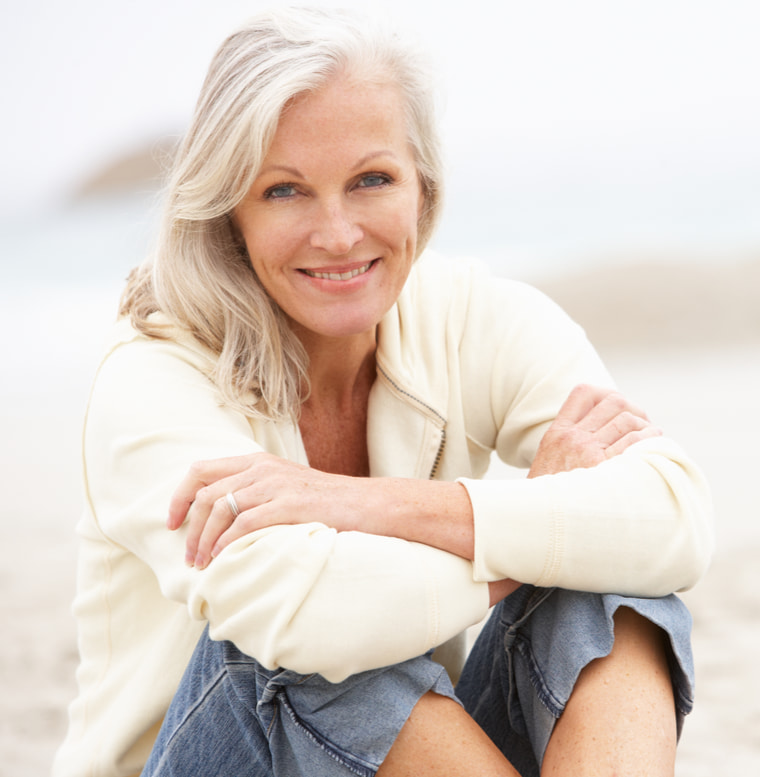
point(330, 223)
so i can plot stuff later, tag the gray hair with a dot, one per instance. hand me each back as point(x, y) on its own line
point(199, 277)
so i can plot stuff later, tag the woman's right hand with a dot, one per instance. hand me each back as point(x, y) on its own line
point(269, 490)
point(593, 425)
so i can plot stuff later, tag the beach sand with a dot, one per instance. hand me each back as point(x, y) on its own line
point(691, 357)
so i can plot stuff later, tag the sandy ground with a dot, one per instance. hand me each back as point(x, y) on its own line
point(692, 359)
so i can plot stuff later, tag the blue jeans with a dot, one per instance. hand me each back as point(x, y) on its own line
point(526, 661)
point(232, 717)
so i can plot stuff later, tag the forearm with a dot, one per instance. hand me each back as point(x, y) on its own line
point(434, 513)
point(639, 524)
point(304, 597)
point(313, 600)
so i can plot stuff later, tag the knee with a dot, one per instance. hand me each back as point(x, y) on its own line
point(621, 714)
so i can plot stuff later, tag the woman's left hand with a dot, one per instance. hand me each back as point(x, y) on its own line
point(267, 490)
point(593, 425)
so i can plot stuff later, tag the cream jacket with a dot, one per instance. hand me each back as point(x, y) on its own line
point(466, 365)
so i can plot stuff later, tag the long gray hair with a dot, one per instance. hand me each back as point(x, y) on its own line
point(199, 277)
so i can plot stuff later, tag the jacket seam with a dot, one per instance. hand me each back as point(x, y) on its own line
point(429, 411)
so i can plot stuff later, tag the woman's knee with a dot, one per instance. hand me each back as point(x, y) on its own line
point(519, 679)
point(621, 716)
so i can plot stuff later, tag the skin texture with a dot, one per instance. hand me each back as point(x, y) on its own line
point(619, 721)
point(620, 718)
point(330, 225)
point(593, 425)
point(337, 193)
point(441, 739)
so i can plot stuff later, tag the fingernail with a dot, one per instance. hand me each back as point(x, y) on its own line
point(200, 561)
point(215, 551)
point(189, 559)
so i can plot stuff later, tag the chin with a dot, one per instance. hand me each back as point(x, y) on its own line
point(344, 327)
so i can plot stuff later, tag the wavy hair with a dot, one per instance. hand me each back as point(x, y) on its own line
point(199, 276)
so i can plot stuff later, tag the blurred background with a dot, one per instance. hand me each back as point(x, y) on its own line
point(605, 151)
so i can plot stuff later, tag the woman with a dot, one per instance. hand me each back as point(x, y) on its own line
point(285, 343)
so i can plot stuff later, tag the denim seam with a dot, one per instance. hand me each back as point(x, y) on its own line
point(553, 705)
point(537, 597)
point(353, 764)
point(190, 712)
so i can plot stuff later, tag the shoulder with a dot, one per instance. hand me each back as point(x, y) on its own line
point(129, 352)
point(455, 311)
point(455, 315)
point(141, 377)
point(464, 291)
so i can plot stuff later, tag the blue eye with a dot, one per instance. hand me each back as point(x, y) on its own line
point(373, 180)
point(279, 192)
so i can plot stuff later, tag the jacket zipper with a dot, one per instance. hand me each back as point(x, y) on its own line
point(431, 410)
point(438, 455)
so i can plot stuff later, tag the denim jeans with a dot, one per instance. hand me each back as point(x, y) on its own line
point(526, 661)
point(232, 717)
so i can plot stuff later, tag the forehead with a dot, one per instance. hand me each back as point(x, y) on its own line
point(345, 111)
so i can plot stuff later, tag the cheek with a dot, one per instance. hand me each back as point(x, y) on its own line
point(270, 246)
point(402, 222)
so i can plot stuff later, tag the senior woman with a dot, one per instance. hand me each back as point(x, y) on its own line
point(309, 404)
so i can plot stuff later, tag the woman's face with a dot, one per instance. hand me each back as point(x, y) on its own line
point(330, 223)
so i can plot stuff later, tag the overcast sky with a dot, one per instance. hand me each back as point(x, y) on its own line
point(553, 91)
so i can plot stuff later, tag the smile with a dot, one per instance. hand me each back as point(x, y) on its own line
point(339, 276)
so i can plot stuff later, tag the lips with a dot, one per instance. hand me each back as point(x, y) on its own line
point(339, 276)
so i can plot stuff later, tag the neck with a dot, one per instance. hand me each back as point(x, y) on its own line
point(339, 367)
point(333, 420)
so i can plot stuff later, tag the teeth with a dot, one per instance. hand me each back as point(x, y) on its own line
point(339, 276)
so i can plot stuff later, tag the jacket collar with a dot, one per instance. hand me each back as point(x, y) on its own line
point(406, 426)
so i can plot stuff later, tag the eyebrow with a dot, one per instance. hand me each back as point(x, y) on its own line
point(293, 171)
point(373, 155)
point(282, 169)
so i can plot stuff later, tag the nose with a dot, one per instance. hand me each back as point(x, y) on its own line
point(336, 231)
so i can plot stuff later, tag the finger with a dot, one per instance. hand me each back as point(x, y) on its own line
point(610, 407)
point(182, 498)
point(581, 401)
point(246, 523)
point(197, 516)
point(630, 439)
point(200, 475)
point(212, 501)
point(219, 521)
point(618, 427)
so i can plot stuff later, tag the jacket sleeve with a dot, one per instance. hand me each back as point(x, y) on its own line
point(639, 524)
point(303, 597)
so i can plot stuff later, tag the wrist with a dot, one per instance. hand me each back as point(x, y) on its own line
point(500, 589)
point(434, 513)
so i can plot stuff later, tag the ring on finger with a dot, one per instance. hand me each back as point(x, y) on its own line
point(232, 504)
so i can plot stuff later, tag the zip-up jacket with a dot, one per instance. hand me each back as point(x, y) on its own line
point(467, 365)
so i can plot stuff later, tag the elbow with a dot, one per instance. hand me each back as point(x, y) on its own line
point(690, 535)
point(698, 546)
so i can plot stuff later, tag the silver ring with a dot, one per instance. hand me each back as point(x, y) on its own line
point(232, 504)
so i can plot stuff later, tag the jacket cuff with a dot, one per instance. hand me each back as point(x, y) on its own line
point(518, 532)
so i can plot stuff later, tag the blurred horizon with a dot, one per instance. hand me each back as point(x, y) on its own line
point(574, 133)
